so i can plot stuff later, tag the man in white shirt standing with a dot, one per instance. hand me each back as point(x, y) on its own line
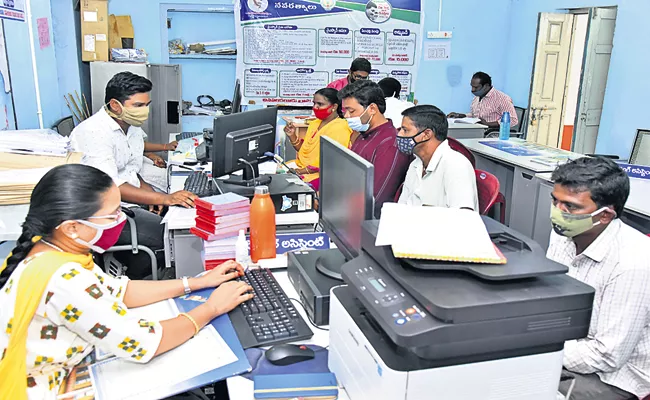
point(394, 106)
point(613, 361)
point(439, 176)
point(113, 141)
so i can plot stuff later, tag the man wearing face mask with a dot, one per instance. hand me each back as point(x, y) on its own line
point(359, 71)
point(439, 176)
point(488, 104)
point(613, 361)
point(364, 106)
point(113, 141)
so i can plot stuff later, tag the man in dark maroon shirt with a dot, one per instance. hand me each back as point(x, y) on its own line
point(364, 105)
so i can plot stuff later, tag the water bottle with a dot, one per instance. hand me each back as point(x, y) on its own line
point(241, 249)
point(262, 225)
point(504, 129)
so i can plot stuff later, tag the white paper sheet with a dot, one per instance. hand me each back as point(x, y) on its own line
point(89, 43)
point(180, 218)
point(120, 379)
point(466, 120)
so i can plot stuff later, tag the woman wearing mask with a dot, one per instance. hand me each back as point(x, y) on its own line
point(329, 122)
point(56, 305)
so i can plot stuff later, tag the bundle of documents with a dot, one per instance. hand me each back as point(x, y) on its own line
point(218, 252)
point(16, 186)
point(34, 141)
point(436, 233)
point(466, 120)
point(321, 386)
point(221, 217)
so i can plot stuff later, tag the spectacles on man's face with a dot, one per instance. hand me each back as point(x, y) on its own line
point(358, 77)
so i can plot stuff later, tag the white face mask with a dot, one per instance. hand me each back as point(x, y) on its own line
point(355, 122)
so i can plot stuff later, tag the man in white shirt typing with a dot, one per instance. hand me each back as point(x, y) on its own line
point(613, 361)
point(439, 176)
point(113, 141)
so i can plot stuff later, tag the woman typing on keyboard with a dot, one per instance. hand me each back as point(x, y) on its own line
point(57, 305)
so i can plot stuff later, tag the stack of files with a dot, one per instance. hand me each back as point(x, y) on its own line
point(16, 186)
point(218, 252)
point(34, 141)
point(436, 233)
point(221, 217)
point(320, 386)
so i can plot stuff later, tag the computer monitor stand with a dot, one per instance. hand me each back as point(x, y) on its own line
point(329, 263)
point(251, 177)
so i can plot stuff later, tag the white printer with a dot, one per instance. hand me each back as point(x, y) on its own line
point(412, 330)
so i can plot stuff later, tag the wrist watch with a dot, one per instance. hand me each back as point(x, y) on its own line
point(186, 285)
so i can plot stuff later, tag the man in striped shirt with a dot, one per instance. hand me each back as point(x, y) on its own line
point(364, 106)
point(613, 361)
point(489, 104)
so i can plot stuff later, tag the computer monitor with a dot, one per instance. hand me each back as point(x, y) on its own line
point(236, 98)
point(239, 142)
point(345, 201)
point(641, 150)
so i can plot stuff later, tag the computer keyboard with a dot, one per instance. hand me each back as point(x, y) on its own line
point(187, 135)
point(199, 184)
point(269, 318)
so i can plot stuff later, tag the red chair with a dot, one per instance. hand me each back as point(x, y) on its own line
point(487, 186)
point(456, 145)
point(399, 193)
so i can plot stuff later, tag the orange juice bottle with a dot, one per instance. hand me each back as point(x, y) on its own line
point(262, 225)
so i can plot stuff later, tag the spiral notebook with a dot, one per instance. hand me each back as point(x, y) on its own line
point(436, 233)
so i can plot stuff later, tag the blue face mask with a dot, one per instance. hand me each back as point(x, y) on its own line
point(356, 125)
point(482, 91)
point(406, 144)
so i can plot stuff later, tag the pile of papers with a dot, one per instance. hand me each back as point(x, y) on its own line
point(34, 141)
point(436, 233)
point(218, 252)
point(16, 186)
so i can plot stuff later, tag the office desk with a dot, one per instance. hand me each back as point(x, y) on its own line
point(240, 388)
point(11, 218)
point(466, 131)
point(516, 169)
point(636, 213)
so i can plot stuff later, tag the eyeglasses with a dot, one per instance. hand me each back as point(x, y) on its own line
point(359, 77)
point(117, 216)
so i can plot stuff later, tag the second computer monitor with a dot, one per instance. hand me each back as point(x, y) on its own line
point(240, 141)
point(346, 195)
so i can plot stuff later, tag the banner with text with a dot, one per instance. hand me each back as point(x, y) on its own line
point(13, 10)
point(287, 50)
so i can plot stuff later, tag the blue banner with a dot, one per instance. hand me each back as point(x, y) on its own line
point(636, 171)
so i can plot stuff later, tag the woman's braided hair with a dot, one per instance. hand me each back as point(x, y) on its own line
point(67, 192)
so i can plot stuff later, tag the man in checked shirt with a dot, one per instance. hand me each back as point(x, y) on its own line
point(488, 104)
point(613, 361)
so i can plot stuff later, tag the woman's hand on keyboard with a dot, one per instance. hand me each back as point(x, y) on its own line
point(228, 296)
point(181, 198)
point(223, 273)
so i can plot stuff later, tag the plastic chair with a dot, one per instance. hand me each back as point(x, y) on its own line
point(113, 267)
point(488, 187)
point(459, 147)
point(64, 126)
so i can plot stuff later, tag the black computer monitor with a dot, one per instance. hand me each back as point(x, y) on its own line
point(236, 98)
point(346, 200)
point(239, 142)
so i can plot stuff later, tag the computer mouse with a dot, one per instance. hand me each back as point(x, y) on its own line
point(287, 354)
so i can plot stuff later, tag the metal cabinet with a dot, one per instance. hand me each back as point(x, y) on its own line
point(166, 99)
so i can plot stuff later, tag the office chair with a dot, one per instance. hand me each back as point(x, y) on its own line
point(488, 187)
point(459, 147)
point(64, 126)
point(515, 130)
point(113, 267)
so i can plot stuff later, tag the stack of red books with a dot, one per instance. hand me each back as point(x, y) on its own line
point(221, 217)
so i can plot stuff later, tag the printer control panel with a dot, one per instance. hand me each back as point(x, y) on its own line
point(387, 296)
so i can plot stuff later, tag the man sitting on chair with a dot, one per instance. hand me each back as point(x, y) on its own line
point(439, 176)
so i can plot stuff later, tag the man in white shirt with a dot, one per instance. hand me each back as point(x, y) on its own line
point(394, 106)
point(439, 176)
point(113, 141)
point(613, 361)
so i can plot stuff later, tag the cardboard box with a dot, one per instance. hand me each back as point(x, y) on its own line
point(94, 30)
point(120, 32)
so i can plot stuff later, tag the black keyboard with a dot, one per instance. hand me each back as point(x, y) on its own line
point(269, 318)
point(199, 184)
point(188, 135)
